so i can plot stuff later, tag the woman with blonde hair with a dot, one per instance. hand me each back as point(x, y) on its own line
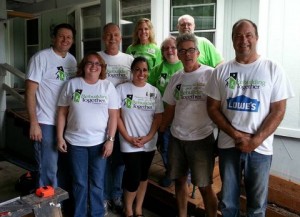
point(143, 43)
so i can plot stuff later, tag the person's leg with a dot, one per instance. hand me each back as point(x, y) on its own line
point(181, 192)
point(79, 168)
point(210, 201)
point(46, 156)
point(200, 154)
point(145, 162)
point(131, 180)
point(117, 171)
point(256, 178)
point(96, 169)
point(178, 170)
point(165, 181)
point(230, 173)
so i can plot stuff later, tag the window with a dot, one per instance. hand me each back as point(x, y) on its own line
point(32, 38)
point(132, 11)
point(91, 28)
point(203, 11)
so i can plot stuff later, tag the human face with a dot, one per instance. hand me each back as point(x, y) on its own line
point(112, 38)
point(170, 51)
point(140, 74)
point(62, 41)
point(188, 54)
point(143, 33)
point(186, 25)
point(92, 69)
point(244, 42)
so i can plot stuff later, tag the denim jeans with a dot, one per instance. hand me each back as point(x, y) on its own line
point(88, 167)
point(255, 169)
point(165, 146)
point(114, 173)
point(46, 156)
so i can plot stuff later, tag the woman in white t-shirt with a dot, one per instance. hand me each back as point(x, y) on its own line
point(86, 125)
point(140, 116)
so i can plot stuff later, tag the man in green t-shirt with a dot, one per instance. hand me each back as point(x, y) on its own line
point(209, 55)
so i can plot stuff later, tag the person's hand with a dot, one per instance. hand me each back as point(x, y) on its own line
point(62, 146)
point(107, 148)
point(35, 132)
point(136, 142)
point(245, 143)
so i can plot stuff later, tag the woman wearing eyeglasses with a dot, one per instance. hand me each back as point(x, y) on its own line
point(86, 125)
point(140, 116)
point(143, 43)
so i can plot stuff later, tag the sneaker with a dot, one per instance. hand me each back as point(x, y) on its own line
point(117, 204)
point(165, 182)
point(106, 205)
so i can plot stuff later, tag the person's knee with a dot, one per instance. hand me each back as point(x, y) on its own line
point(206, 191)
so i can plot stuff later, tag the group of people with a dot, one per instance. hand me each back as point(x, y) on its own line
point(110, 112)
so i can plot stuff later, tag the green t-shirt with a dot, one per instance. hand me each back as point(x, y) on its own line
point(209, 55)
point(150, 51)
point(161, 74)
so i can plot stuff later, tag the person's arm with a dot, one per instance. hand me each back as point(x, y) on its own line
point(62, 114)
point(35, 132)
point(268, 126)
point(167, 117)
point(134, 141)
point(112, 128)
point(154, 127)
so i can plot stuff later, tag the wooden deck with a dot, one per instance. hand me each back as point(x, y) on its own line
point(166, 195)
point(284, 200)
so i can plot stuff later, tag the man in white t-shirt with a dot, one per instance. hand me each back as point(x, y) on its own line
point(246, 99)
point(47, 72)
point(191, 141)
point(117, 71)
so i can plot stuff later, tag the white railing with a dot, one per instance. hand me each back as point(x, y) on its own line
point(16, 72)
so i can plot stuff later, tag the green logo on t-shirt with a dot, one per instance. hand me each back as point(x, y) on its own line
point(60, 74)
point(232, 80)
point(128, 101)
point(177, 91)
point(76, 95)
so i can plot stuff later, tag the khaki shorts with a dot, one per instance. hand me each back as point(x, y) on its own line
point(197, 155)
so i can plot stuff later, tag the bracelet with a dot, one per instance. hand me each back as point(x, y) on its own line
point(110, 138)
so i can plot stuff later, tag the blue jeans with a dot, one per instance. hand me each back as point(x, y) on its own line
point(46, 156)
point(255, 169)
point(114, 173)
point(165, 146)
point(88, 167)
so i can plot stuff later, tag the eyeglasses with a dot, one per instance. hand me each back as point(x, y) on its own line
point(189, 51)
point(97, 64)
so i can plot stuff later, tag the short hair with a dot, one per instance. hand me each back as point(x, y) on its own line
point(80, 71)
point(242, 21)
point(186, 37)
point(108, 25)
point(137, 60)
point(135, 38)
point(170, 38)
point(186, 16)
point(63, 26)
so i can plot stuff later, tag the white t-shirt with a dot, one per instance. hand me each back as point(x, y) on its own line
point(50, 71)
point(118, 67)
point(139, 104)
point(88, 110)
point(245, 92)
point(185, 90)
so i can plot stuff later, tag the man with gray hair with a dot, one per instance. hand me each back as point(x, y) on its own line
point(191, 143)
point(209, 55)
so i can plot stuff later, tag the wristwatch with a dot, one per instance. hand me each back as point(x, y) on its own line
point(110, 138)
